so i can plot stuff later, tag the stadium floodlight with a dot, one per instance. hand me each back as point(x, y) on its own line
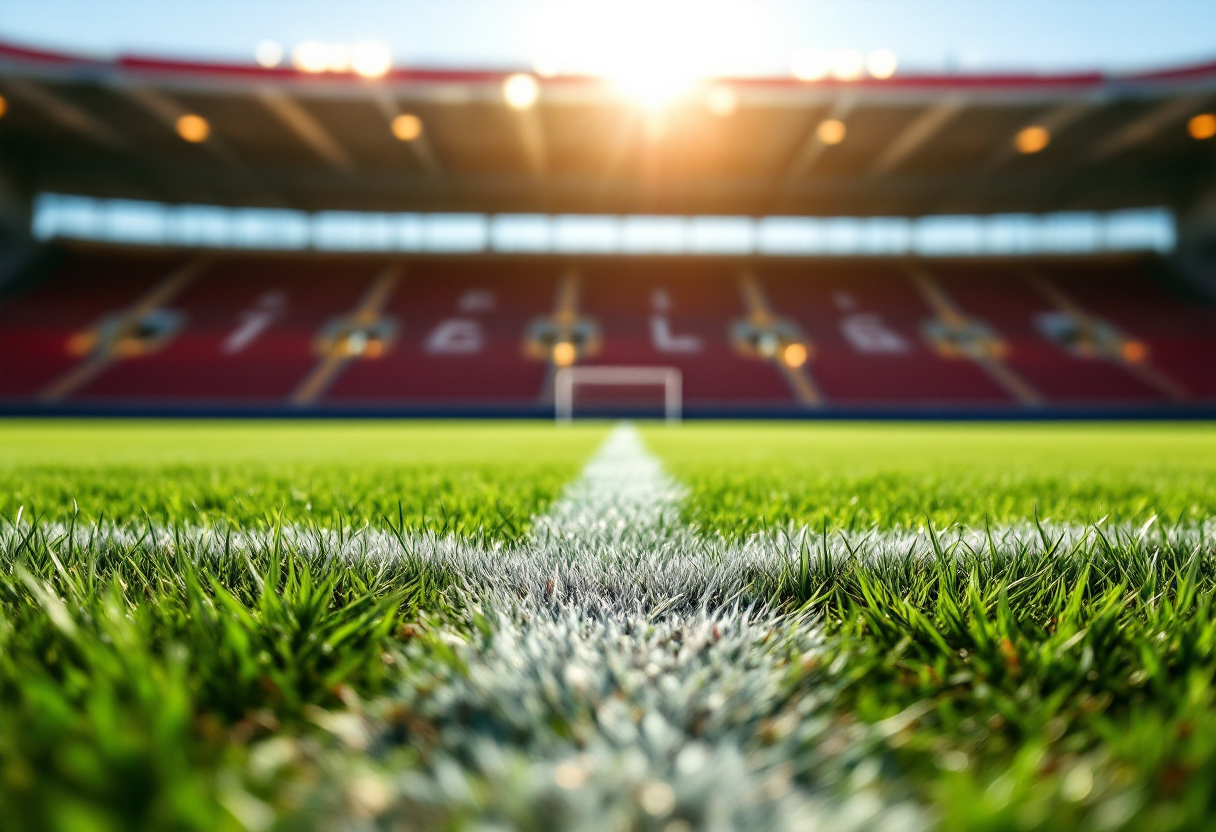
point(311, 56)
point(811, 65)
point(268, 54)
point(847, 65)
point(722, 101)
point(831, 131)
point(567, 379)
point(1032, 139)
point(371, 59)
point(521, 91)
point(193, 128)
point(881, 63)
point(406, 127)
point(1202, 126)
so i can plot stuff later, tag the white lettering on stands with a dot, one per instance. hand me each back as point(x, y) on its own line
point(845, 301)
point(867, 333)
point(473, 301)
point(660, 328)
point(455, 336)
point(254, 322)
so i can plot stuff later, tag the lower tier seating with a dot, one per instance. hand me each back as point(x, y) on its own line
point(117, 327)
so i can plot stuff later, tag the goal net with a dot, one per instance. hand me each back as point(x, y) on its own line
point(569, 380)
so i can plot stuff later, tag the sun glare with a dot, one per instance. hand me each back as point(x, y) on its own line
point(653, 52)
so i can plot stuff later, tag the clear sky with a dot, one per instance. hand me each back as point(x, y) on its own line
point(736, 36)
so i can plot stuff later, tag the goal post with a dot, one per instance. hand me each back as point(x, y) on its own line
point(568, 378)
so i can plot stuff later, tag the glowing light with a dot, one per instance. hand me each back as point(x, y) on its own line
point(407, 127)
point(657, 798)
point(569, 775)
point(1202, 126)
point(767, 344)
point(1032, 139)
point(881, 63)
point(811, 65)
point(794, 355)
point(564, 353)
point(268, 54)
point(831, 131)
point(315, 57)
point(3, 106)
point(371, 59)
point(847, 65)
point(547, 66)
point(338, 57)
point(651, 52)
point(722, 101)
point(521, 91)
point(356, 343)
point(193, 128)
point(311, 56)
point(1134, 352)
point(655, 81)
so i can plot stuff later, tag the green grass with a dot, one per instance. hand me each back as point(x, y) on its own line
point(749, 478)
point(136, 679)
point(1059, 687)
point(1028, 684)
point(468, 479)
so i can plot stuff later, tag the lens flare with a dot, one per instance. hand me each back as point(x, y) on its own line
point(564, 353)
point(831, 131)
point(847, 65)
point(371, 59)
point(311, 56)
point(268, 54)
point(881, 63)
point(407, 127)
point(521, 91)
point(1202, 126)
point(722, 101)
point(193, 128)
point(811, 65)
point(1032, 139)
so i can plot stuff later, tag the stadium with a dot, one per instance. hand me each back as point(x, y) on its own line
point(408, 445)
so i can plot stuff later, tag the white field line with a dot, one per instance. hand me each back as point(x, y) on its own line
point(588, 703)
point(668, 566)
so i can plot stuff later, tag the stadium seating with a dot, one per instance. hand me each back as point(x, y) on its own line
point(122, 328)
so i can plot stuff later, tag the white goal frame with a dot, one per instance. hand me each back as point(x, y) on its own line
point(567, 378)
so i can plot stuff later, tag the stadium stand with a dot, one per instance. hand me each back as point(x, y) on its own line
point(288, 333)
point(231, 237)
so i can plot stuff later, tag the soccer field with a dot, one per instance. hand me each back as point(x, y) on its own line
point(297, 625)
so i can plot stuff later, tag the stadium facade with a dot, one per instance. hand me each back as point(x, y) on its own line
point(203, 238)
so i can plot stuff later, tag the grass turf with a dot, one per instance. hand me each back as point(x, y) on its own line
point(749, 478)
point(1022, 682)
point(467, 479)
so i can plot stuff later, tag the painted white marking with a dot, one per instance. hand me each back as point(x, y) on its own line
point(845, 301)
point(867, 333)
point(665, 341)
point(455, 336)
point(474, 301)
point(253, 322)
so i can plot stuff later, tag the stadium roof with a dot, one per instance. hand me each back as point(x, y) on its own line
point(912, 145)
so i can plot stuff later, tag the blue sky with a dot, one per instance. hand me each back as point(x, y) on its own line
point(754, 36)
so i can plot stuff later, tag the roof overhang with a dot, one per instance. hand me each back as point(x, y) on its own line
point(914, 144)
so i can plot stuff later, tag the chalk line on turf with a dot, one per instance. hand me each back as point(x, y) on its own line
point(590, 706)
